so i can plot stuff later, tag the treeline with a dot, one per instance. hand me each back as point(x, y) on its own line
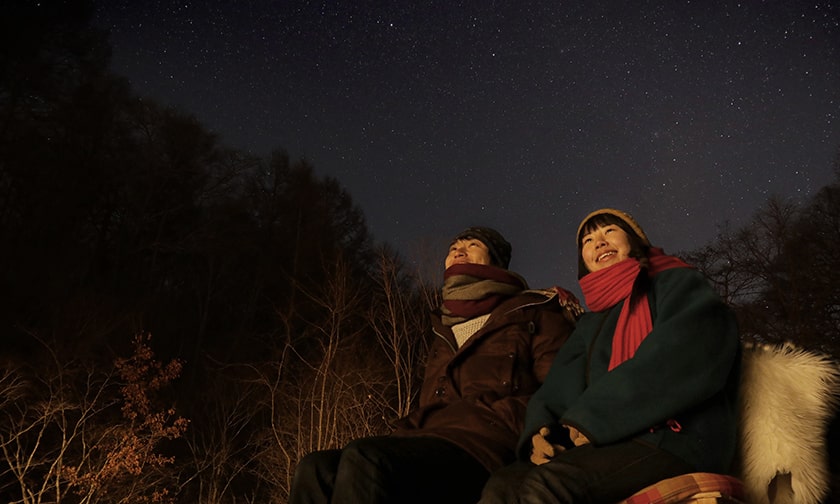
point(261, 318)
point(182, 321)
point(779, 270)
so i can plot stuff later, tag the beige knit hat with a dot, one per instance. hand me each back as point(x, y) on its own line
point(624, 216)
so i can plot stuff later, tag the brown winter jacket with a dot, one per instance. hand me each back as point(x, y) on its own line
point(475, 396)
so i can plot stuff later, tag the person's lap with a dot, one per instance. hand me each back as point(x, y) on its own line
point(585, 474)
point(389, 469)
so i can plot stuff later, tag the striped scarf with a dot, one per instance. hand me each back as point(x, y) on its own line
point(607, 287)
point(470, 290)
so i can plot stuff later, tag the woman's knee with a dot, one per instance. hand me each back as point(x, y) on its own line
point(503, 485)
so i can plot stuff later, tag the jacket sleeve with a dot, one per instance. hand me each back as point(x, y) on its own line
point(685, 360)
point(564, 382)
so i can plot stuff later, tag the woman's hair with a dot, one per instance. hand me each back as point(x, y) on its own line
point(638, 247)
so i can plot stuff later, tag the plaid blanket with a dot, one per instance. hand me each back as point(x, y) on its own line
point(683, 488)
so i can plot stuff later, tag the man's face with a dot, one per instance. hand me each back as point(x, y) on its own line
point(468, 251)
point(604, 246)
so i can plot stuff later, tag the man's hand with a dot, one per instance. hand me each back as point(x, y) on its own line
point(541, 450)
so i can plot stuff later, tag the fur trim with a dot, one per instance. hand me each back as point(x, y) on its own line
point(787, 398)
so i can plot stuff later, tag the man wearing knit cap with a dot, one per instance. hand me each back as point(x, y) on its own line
point(493, 342)
point(497, 246)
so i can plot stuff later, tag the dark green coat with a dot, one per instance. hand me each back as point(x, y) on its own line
point(475, 396)
point(686, 369)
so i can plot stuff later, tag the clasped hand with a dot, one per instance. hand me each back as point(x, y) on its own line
point(542, 450)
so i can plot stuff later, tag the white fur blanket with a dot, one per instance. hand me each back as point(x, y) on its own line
point(788, 397)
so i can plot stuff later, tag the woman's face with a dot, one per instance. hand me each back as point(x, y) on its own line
point(604, 246)
point(469, 251)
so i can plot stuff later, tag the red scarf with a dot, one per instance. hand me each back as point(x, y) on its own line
point(607, 287)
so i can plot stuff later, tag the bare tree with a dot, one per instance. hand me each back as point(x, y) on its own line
point(815, 271)
point(722, 262)
point(779, 273)
point(223, 442)
point(400, 321)
point(316, 394)
point(86, 435)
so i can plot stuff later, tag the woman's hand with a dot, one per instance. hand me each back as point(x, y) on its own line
point(541, 450)
point(575, 435)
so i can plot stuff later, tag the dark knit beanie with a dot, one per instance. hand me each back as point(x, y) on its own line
point(497, 245)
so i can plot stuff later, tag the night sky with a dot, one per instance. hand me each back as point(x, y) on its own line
point(523, 116)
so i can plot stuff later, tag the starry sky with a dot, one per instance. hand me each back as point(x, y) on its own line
point(523, 116)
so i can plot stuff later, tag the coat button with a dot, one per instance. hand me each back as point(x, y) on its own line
point(440, 392)
point(505, 383)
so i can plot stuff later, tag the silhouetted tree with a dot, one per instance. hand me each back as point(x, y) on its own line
point(779, 273)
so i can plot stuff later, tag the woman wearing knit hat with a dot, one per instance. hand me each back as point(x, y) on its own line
point(492, 346)
point(645, 388)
